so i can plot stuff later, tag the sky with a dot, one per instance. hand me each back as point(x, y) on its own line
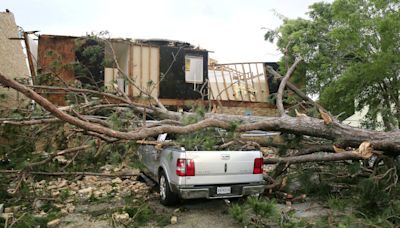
point(233, 30)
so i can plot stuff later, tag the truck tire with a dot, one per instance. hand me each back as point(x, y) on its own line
point(167, 197)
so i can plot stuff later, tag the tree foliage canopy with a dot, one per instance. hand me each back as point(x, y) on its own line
point(351, 52)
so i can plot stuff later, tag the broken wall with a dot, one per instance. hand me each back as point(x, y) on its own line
point(141, 63)
point(54, 53)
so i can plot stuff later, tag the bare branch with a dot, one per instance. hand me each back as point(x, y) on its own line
point(97, 135)
point(282, 85)
point(57, 153)
point(71, 173)
point(77, 90)
point(29, 122)
point(294, 88)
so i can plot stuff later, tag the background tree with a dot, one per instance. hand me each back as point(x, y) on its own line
point(351, 52)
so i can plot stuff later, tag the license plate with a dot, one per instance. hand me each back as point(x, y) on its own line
point(223, 190)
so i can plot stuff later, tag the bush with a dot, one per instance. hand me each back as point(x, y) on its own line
point(263, 213)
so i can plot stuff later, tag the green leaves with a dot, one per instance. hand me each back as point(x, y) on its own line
point(351, 53)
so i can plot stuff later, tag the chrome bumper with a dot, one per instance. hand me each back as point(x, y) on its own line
point(209, 192)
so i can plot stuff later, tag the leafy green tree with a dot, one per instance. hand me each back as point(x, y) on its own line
point(351, 52)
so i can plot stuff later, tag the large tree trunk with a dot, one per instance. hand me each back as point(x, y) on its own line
point(335, 131)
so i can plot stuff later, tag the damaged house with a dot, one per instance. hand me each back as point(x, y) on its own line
point(168, 70)
point(175, 72)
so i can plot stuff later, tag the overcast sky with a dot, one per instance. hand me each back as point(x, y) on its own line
point(229, 28)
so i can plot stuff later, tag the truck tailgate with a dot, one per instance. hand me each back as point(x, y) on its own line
point(223, 167)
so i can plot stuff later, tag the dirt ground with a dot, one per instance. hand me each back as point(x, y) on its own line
point(204, 213)
point(201, 213)
point(194, 213)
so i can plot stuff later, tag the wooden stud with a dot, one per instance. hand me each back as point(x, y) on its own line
point(252, 82)
point(158, 73)
point(245, 82)
point(131, 67)
point(231, 85)
point(149, 88)
point(141, 69)
point(239, 84)
point(266, 80)
point(259, 83)
point(216, 81)
point(30, 59)
point(226, 88)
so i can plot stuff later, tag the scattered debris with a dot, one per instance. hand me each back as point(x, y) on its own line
point(121, 217)
point(53, 223)
point(174, 220)
point(86, 191)
point(365, 150)
point(64, 195)
point(325, 116)
point(89, 186)
point(116, 181)
point(38, 204)
point(299, 114)
point(61, 160)
point(6, 216)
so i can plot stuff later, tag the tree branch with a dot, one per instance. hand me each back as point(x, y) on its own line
point(77, 90)
point(29, 122)
point(294, 88)
point(317, 157)
point(55, 154)
point(345, 135)
point(70, 173)
point(282, 85)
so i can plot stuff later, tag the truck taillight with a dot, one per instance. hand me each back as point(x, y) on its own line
point(258, 166)
point(185, 167)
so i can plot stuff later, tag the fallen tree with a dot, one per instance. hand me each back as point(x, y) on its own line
point(339, 142)
point(346, 136)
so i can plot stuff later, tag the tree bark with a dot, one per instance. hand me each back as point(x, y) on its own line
point(29, 122)
point(342, 134)
point(282, 85)
point(317, 157)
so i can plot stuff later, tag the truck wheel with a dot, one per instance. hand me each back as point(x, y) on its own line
point(167, 197)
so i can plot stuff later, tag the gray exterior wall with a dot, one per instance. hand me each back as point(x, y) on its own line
point(12, 60)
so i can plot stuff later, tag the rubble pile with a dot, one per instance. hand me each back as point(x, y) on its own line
point(64, 194)
point(95, 186)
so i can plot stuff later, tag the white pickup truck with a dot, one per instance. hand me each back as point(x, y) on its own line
point(202, 174)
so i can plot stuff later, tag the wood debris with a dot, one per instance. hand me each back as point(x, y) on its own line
point(326, 117)
point(365, 150)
